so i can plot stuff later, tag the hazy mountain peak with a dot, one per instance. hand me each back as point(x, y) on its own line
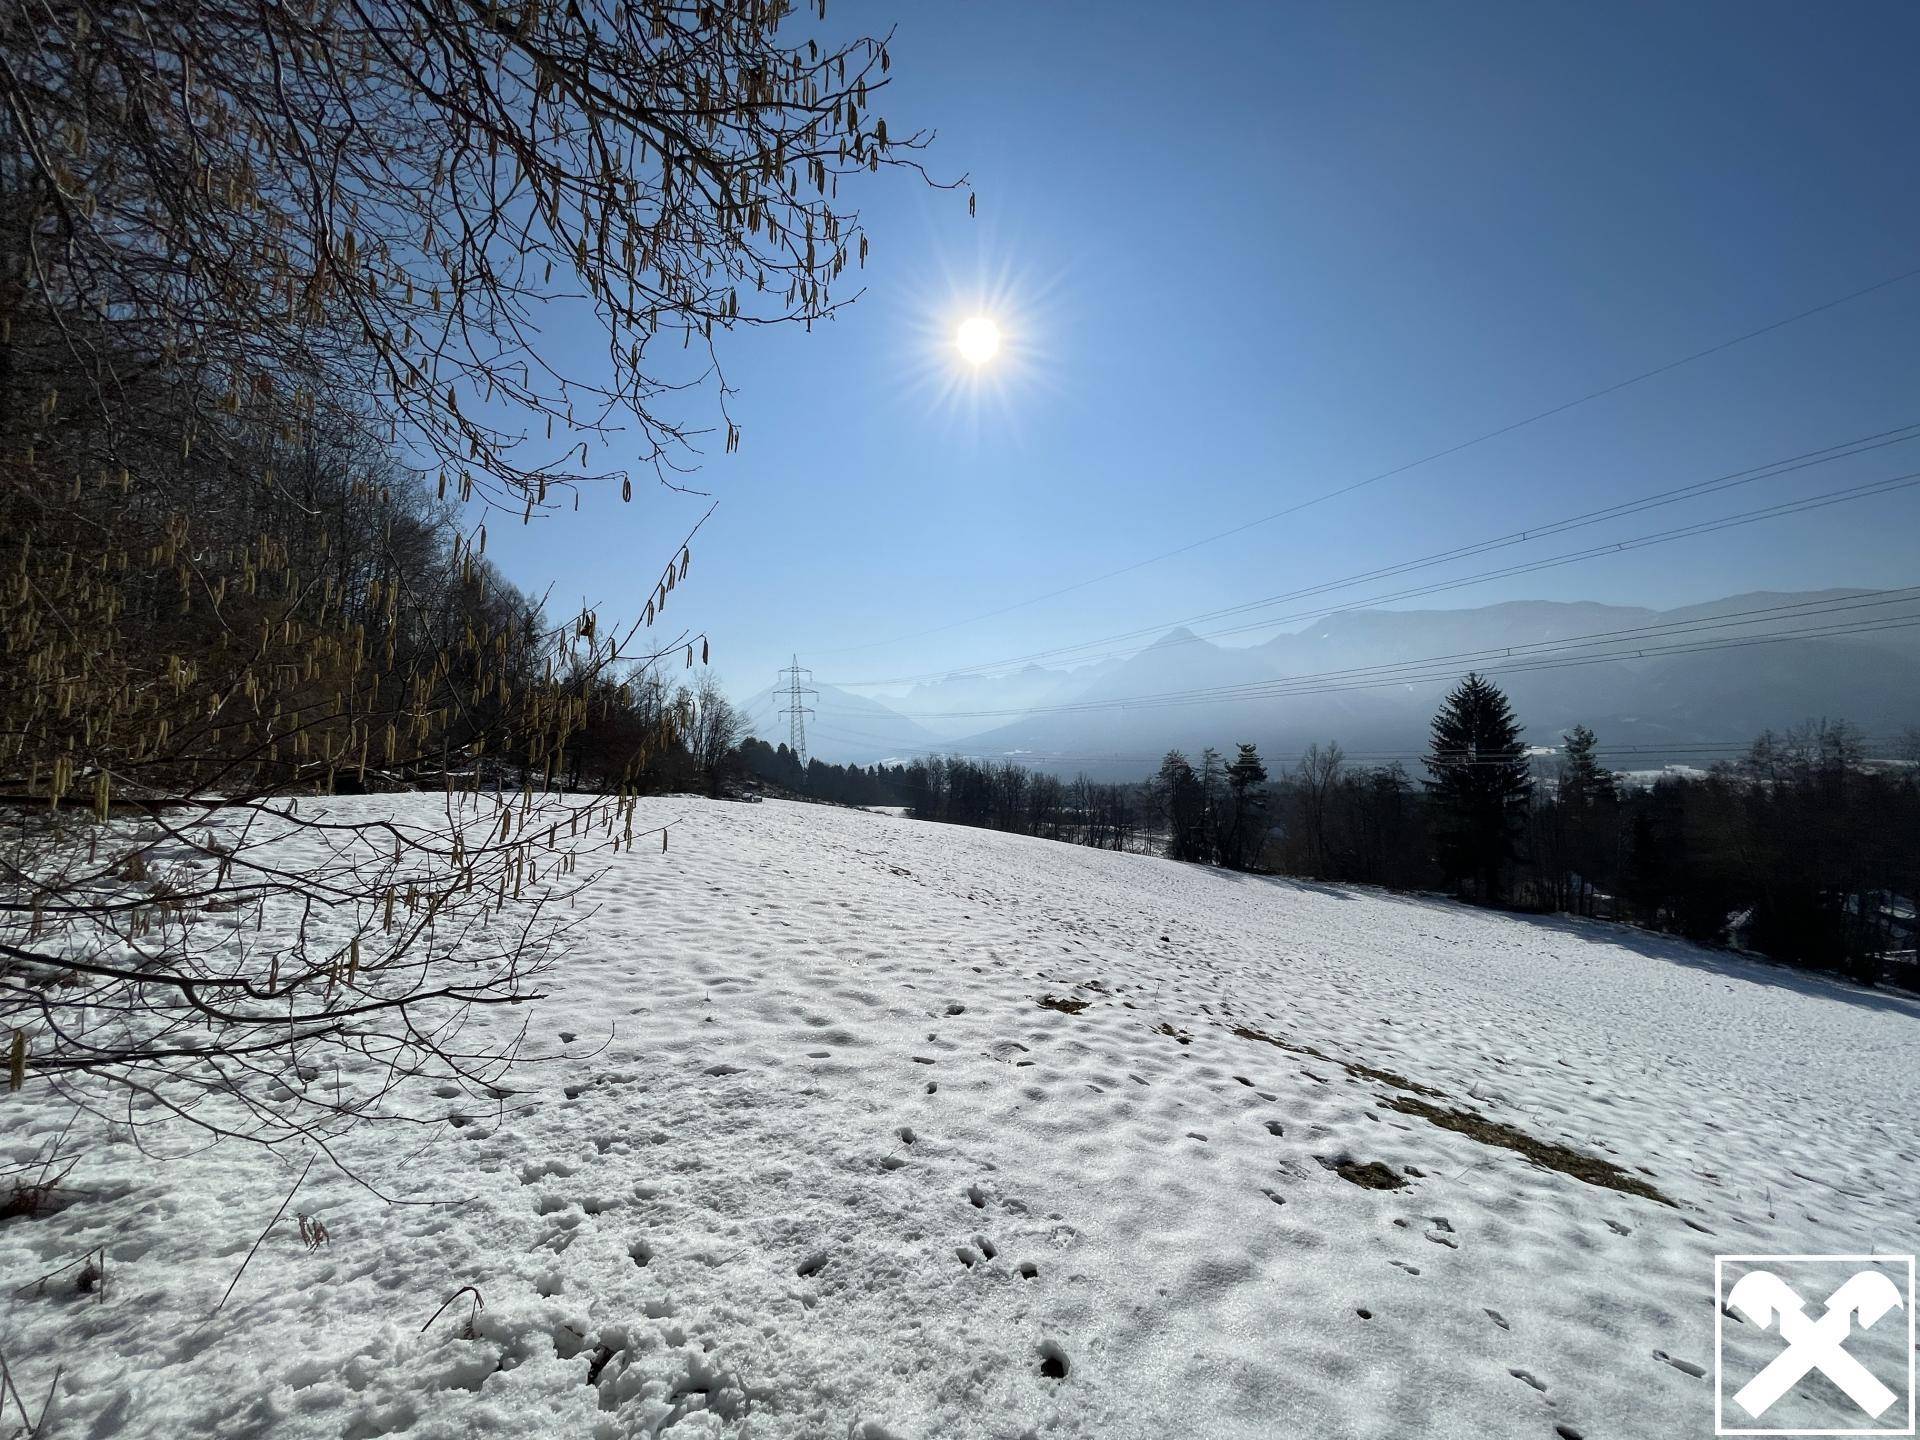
point(1179, 635)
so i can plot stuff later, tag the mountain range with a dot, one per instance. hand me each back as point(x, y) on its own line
point(1683, 685)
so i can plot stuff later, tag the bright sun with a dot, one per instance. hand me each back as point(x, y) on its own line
point(979, 340)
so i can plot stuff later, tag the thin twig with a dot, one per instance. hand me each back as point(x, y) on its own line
point(478, 1305)
point(263, 1235)
point(12, 1389)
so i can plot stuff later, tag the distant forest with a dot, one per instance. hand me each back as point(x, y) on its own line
point(1801, 850)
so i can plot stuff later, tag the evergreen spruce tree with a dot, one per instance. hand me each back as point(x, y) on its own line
point(1584, 781)
point(1480, 787)
point(1586, 819)
point(1246, 781)
point(1183, 802)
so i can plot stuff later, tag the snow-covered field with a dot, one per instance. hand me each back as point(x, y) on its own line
point(807, 1155)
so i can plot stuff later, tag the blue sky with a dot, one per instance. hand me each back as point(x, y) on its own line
point(1246, 254)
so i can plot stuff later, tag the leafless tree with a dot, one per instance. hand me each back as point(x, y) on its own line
point(714, 728)
point(1315, 778)
point(276, 287)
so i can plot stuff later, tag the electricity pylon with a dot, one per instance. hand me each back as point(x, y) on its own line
point(791, 689)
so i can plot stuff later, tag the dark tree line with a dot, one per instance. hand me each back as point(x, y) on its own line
point(1007, 796)
point(1816, 855)
point(779, 769)
point(1216, 814)
point(1801, 850)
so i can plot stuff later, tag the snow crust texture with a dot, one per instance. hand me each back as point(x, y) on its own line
point(846, 1126)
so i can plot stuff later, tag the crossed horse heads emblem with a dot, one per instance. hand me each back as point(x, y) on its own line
point(1764, 1298)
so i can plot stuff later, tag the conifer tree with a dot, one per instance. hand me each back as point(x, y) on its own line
point(1246, 781)
point(1183, 802)
point(1581, 840)
point(1480, 787)
point(1584, 781)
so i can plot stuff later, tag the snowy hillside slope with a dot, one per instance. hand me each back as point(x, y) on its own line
point(807, 1155)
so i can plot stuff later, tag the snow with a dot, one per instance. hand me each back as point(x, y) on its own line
point(803, 1154)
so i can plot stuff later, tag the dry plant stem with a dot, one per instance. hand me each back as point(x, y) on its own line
point(6, 1376)
point(478, 1305)
point(263, 1235)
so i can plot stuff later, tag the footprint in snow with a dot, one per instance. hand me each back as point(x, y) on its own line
point(1529, 1379)
point(1053, 1361)
point(1499, 1319)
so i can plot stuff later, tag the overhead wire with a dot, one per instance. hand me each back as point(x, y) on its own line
point(1401, 469)
point(1843, 495)
point(1506, 658)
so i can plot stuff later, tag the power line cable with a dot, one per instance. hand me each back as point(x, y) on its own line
point(1507, 657)
point(1400, 469)
point(1499, 668)
point(1865, 490)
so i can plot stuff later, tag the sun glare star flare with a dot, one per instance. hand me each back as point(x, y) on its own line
point(979, 340)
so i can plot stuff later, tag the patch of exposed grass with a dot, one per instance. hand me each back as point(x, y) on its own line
point(25, 1200)
point(1065, 1007)
point(1544, 1153)
point(1370, 1176)
point(1166, 1028)
point(1387, 1077)
point(1352, 1067)
point(41, 1195)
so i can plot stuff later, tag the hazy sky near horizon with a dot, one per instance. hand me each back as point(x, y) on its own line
point(1244, 254)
